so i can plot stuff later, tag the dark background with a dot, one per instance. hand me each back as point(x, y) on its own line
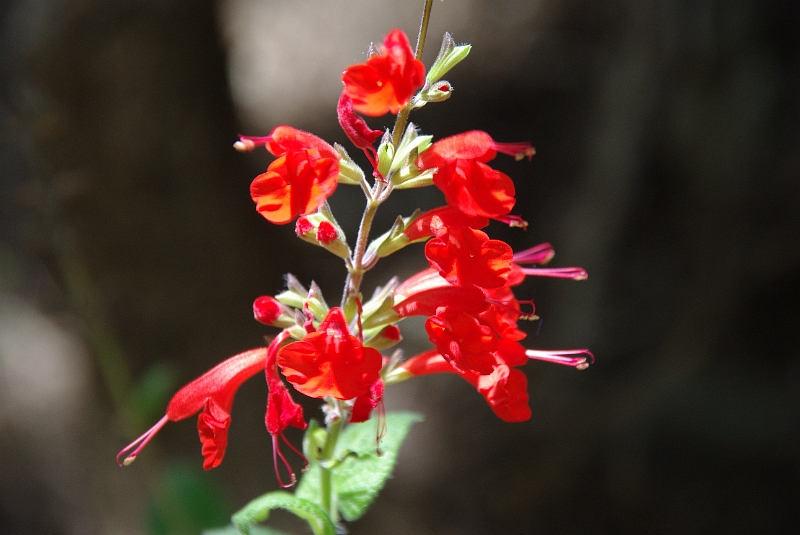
point(668, 165)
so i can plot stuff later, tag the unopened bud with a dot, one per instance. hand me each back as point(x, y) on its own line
point(320, 230)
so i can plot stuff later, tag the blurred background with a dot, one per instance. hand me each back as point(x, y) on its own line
point(668, 165)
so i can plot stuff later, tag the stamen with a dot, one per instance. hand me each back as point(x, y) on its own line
point(539, 254)
point(513, 221)
point(140, 443)
point(574, 273)
point(380, 427)
point(518, 150)
point(520, 313)
point(248, 143)
point(276, 452)
point(561, 357)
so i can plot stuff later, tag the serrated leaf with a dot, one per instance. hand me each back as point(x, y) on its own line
point(258, 510)
point(363, 473)
point(233, 530)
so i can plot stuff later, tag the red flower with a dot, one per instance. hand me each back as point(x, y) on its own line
point(285, 139)
point(330, 361)
point(303, 176)
point(505, 389)
point(465, 179)
point(387, 80)
point(467, 257)
point(211, 394)
point(294, 184)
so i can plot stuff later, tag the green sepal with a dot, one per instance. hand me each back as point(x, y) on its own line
point(349, 171)
point(258, 510)
point(378, 312)
point(449, 56)
point(411, 177)
point(314, 442)
point(316, 302)
point(295, 293)
point(411, 145)
point(385, 156)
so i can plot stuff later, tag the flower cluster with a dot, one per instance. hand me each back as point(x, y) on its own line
point(466, 294)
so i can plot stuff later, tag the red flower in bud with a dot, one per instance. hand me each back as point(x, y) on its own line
point(294, 184)
point(267, 309)
point(465, 179)
point(387, 80)
point(211, 394)
point(467, 257)
point(330, 361)
point(326, 232)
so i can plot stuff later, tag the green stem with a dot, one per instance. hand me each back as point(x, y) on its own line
point(326, 474)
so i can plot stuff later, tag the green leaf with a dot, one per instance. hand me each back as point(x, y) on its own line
point(363, 472)
point(258, 510)
point(309, 486)
point(233, 530)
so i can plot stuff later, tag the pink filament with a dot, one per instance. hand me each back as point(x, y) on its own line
point(140, 443)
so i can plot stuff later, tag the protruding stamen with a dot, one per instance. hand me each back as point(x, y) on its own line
point(574, 273)
point(139, 443)
point(248, 143)
point(276, 453)
point(539, 254)
point(513, 221)
point(563, 357)
point(517, 150)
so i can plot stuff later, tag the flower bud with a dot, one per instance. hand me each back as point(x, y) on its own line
point(320, 230)
point(437, 92)
point(270, 311)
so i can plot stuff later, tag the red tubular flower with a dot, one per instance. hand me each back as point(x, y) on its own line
point(294, 184)
point(387, 80)
point(285, 139)
point(437, 221)
point(467, 257)
point(505, 389)
point(211, 394)
point(465, 179)
point(330, 361)
point(462, 340)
